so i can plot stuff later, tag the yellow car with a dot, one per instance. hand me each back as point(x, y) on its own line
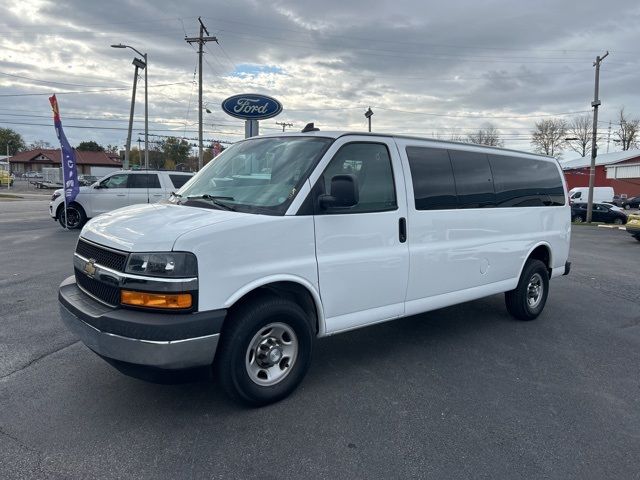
point(633, 225)
point(5, 178)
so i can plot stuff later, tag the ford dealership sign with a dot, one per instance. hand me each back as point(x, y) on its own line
point(252, 106)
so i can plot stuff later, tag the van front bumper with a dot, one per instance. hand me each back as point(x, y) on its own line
point(163, 341)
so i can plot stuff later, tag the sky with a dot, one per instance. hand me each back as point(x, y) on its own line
point(431, 69)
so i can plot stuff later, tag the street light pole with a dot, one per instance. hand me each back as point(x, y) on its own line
point(146, 106)
point(127, 146)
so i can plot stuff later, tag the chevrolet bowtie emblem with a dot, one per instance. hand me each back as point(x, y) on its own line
point(90, 267)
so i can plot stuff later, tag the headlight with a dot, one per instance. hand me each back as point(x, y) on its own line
point(55, 195)
point(161, 264)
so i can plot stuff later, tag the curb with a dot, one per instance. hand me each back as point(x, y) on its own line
point(613, 226)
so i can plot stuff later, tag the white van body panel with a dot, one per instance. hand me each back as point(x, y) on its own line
point(150, 227)
point(476, 251)
point(250, 250)
point(362, 266)
point(600, 194)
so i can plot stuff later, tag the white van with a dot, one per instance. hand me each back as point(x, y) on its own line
point(600, 194)
point(282, 239)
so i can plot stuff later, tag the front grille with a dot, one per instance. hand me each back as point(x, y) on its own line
point(102, 291)
point(107, 258)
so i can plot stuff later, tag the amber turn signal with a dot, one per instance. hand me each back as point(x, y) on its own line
point(155, 300)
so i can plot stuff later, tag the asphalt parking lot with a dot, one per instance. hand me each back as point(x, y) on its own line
point(462, 392)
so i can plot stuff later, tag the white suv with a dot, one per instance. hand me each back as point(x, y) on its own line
point(116, 190)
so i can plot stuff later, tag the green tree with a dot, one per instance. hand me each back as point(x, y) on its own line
point(90, 146)
point(175, 150)
point(13, 139)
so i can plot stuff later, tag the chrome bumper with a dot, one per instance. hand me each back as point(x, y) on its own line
point(166, 354)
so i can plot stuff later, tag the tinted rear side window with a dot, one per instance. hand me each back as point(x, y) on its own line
point(432, 177)
point(525, 182)
point(474, 182)
point(179, 180)
point(144, 180)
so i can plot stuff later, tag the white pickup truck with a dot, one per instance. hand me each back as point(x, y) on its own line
point(116, 190)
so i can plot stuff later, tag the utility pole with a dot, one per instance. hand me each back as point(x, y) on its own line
point(200, 40)
point(594, 148)
point(609, 136)
point(127, 148)
point(284, 124)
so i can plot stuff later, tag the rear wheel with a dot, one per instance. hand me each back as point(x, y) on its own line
point(528, 299)
point(74, 217)
point(618, 221)
point(265, 351)
point(627, 207)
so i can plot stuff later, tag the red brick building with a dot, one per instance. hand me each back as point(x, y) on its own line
point(36, 160)
point(577, 172)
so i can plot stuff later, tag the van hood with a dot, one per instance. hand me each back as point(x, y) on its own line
point(150, 227)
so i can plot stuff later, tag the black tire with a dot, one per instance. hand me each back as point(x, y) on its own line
point(578, 219)
point(627, 207)
point(76, 215)
point(519, 301)
point(242, 327)
point(618, 221)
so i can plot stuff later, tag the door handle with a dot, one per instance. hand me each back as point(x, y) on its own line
point(121, 194)
point(157, 194)
point(402, 224)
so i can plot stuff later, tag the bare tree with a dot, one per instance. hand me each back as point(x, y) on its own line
point(627, 134)
point(549, 136)
point(579, 132)
point(489, 135)
point(40, 145)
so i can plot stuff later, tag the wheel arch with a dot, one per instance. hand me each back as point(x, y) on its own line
point(540, 251)
point(60, 207)
point(295, 288)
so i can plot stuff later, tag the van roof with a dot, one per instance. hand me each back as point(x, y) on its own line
point(337, 134)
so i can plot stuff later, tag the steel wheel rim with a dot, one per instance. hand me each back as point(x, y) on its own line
point(535, 289)
point(272, 354)
point(578, 219)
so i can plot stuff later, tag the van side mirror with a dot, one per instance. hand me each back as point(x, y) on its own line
point(344, 193)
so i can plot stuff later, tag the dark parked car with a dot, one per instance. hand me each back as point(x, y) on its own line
point(602, 212)
point(633, 202)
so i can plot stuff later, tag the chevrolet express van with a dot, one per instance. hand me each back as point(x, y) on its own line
point(283, 239)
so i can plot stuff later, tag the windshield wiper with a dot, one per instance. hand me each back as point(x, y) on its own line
point(214, 199)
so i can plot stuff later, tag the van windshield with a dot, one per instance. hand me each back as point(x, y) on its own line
point(260, 175)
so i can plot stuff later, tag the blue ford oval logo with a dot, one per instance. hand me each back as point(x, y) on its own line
point(252, 106)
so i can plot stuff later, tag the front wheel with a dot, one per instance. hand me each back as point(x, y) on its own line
point(618, 221)
point(265, 351)
point(578, 219)
point(74, 217)
point(528, 299)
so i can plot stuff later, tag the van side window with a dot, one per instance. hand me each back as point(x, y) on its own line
point(474, 182)
point(525, 182)
point(370, 164)
point(432, 176)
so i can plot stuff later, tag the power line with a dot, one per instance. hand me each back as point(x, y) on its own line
point(52, 82)
point(87, 91)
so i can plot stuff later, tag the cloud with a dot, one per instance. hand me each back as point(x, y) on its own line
point(325, 61)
